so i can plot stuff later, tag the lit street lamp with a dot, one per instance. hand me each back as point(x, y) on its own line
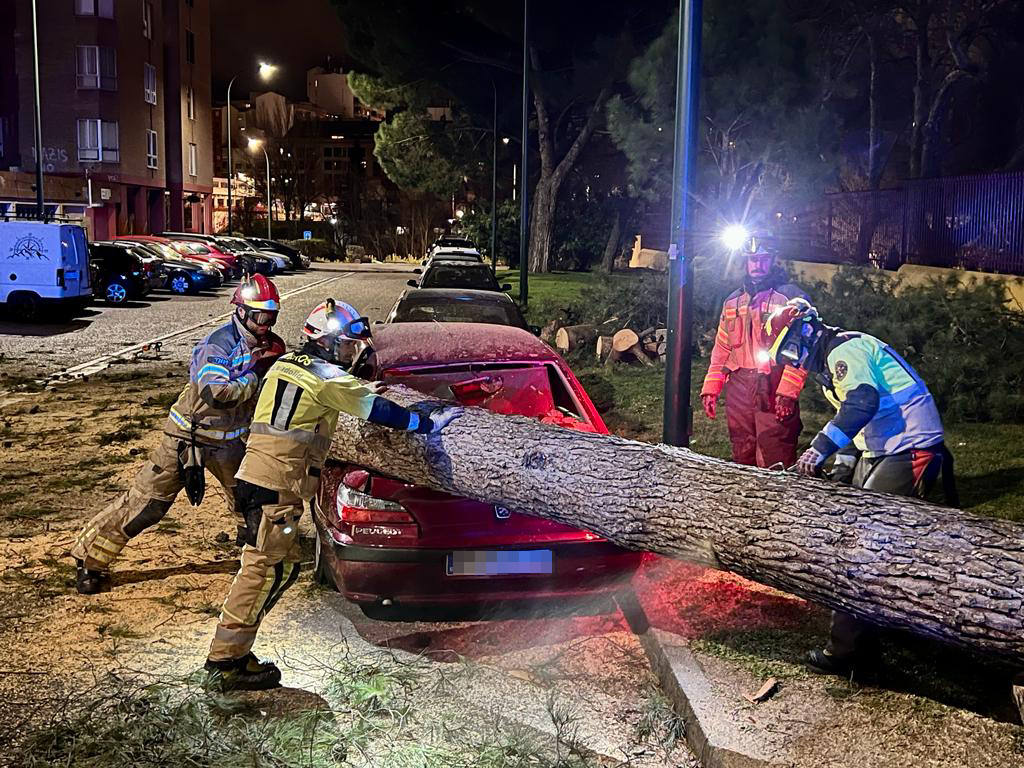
point(266, 72)
point(255, 144)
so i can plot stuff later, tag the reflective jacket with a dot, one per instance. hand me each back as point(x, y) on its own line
point(883, 405)
point(296, 415)
point(221, 391)
point(739, 341)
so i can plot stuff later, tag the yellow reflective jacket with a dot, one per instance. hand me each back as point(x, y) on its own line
point(296, 415)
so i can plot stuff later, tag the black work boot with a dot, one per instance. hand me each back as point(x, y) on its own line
point(245, 674)
point(824, 663)
point(87, 581)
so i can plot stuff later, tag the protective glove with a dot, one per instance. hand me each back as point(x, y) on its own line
point(785, 407)
point(710, 403)
point(266, 355)
point(810, 462)
point(438, 419)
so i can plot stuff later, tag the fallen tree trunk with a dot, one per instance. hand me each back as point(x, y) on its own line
point(894, 561)
point(573, 337)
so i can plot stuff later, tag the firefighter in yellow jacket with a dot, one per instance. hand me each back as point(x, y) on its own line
point(205, 429)
point(291, 432)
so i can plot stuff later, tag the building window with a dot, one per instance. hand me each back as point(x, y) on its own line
point(190, 102)
point(103, 8)
point(151, 149)
point(190, 46)
point(193, 160)
point(149, 85)
point(147, 20)
point(97, 141)
point(97, 67)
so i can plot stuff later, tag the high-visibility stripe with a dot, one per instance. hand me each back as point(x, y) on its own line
point(214, 434)
point(286, 400)
point(836, 435)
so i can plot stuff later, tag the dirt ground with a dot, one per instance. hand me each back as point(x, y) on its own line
point(68, 451)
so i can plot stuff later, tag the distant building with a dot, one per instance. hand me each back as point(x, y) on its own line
point(125, 94)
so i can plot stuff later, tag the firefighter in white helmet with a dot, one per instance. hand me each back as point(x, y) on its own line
point(290, 435)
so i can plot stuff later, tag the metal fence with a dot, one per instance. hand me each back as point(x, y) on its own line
point(966, 222)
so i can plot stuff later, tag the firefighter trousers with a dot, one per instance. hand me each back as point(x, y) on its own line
point(149, 497)
point(911, 473)
point(757, 437)
point(269, 566)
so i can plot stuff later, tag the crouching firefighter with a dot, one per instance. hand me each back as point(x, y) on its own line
point(296, 415)
point(205, 430)
point(884, 410)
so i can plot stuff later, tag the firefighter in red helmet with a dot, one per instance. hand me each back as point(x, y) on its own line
point(762, 398)
point(205, 429)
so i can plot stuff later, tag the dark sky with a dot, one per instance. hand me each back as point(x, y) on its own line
point(294, 34)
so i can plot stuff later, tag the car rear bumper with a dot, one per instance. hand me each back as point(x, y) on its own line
point(418, 576)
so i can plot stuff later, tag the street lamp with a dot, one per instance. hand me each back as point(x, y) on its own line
point(266, 72)
point(255, 144)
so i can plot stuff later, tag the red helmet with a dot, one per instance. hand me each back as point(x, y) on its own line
point(260, 303)
point(257, 292)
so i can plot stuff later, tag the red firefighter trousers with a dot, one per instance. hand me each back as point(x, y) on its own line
point(758, 438)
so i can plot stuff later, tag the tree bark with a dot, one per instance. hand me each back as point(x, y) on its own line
point(894, 561)
point(922, 79)
point(572, 337)
point(611, 247)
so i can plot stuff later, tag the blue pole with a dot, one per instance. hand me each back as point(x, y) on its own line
point(678, 415)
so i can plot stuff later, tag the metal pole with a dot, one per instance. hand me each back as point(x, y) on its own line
point(678, 414)
point(40, 210)
point(229, 124)
point(494, 184)
point(270, 210)
point(524, 206)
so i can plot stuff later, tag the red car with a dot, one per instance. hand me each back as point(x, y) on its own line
point(384, 542)
point(194, 251)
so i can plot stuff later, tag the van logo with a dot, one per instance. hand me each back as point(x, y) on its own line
point(28, 248)
point(502, 513)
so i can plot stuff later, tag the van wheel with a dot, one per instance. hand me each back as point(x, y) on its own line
point(25, 306)
point(321, 572)
point(180, 283)
point(117, 293)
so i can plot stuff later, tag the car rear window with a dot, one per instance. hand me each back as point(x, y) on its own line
point(444, 276)
point(536, 390)
point(413, 310)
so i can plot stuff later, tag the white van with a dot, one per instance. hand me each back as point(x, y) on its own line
point(43, 264)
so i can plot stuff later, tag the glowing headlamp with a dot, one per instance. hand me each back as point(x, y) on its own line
point(734, 237)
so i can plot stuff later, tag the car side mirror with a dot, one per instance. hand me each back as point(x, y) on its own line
point(417, 271)
point(535, 330)
point(506, 286)
point(412, 283)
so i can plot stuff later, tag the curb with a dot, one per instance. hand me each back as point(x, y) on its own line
point(689, 689)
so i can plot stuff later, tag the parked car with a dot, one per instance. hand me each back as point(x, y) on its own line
point(239, 263)
point(384, 542)
point(45, 265)
point(195, 251)
point(294, 256)
point(241, 245)
point(453, 244)
point(182, 276)
point(118, 273)
point(458, 274)
point(450, 305)
point(448, 255)
point(152, 262)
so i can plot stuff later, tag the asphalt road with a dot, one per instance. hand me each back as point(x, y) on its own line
point(48, 349)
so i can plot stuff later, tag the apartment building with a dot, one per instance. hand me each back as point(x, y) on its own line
point(125, 94)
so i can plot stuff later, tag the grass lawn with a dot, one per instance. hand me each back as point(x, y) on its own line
point(989, 457)
point(547, 292)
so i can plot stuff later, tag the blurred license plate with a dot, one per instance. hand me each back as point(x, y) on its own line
point(499, 562)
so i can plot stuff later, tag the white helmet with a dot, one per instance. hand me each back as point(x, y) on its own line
point(337, 319)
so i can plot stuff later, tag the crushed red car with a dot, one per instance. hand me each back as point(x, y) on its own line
point(384, 542)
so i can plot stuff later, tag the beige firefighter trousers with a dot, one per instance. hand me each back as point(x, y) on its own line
point(269, 565)
point(151, 494)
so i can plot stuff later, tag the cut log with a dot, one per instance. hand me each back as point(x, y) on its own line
point(625, 340)
point(572, 337)
point(661, 335)
point(651, 348)
point(662, 348)
point(604, 347)
point(894, 561)
point(647, 334)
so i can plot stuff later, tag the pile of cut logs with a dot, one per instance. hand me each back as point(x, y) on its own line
point(622, 346)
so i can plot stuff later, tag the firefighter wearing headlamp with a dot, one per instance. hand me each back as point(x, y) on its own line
point(884, 410)
point(762, 399)
point(205, 430)
point(296, 415)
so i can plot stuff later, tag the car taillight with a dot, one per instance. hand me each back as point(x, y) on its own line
point(372, 520)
